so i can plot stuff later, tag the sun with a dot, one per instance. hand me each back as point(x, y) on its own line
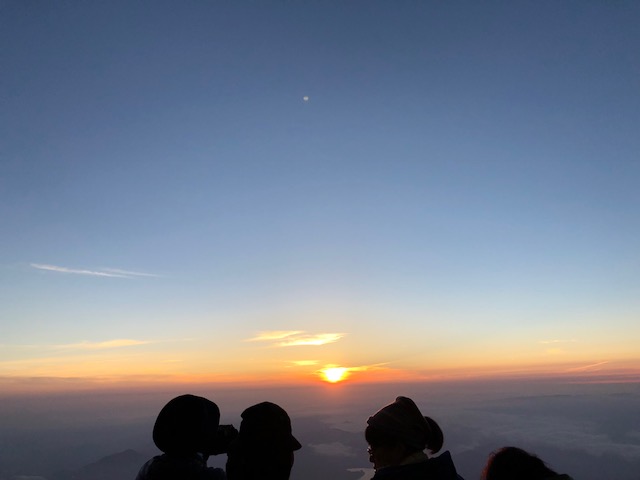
point(334, 374)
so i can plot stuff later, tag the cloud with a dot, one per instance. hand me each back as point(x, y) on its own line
point(117, 271)
point(334, 449)
point(84, 346)
point(274, 335)
point(318, 339)
point(366, 368)
point(551, 342)
point(294, 338)
point(360, 368)
point(587, 367)
point(336, 373)
point(55, 268)
point(305, 363)
point(105, 272)
point(635, 435)
point(555, 351)
point(117, 343)
point(551, 425)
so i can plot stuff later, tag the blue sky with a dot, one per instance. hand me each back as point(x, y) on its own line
point(462, 180)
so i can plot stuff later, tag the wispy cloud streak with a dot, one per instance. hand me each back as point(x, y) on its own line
point(56, 268)
point(318, 339)
point(105, 272)
point(553, 342)
point(593, 366)
point(304, 363)
point(294, 338)
point(128, 273)
point(84, 346)
point(108, 344)
point(335, 373)
point(274, 335)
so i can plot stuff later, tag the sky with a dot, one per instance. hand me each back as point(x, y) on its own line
point(259, 191)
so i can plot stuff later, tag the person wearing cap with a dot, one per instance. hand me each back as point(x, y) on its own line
point(263, 449)
point(185, 431)
point(398, 435)
point(509, 463)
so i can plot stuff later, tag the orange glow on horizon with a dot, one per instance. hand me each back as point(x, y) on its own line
point(597, 370)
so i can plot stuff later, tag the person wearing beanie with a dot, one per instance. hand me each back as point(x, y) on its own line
point(186, 432)
point(263, 449)
point(398, 435)
point(513, 463)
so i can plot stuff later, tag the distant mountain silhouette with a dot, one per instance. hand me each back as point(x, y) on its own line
point(119, 466)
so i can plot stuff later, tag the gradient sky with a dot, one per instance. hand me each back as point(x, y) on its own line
point(259, 190)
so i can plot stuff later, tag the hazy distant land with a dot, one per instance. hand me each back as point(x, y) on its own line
point(589, 431)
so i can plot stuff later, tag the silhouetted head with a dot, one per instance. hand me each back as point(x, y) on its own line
point(512, 463)
point(264, 446)
point(399, 430)
point(187, 424)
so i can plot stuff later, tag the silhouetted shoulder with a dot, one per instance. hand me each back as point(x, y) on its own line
point(435, 468)
point(166, 467)
point(513, 462)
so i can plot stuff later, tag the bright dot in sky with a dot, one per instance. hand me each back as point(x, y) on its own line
point(305, 98)
point(334, 374)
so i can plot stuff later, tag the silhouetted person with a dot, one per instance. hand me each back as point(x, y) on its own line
point(398, 436)
point(263, 449)
point(186, 430)
point(512, 463)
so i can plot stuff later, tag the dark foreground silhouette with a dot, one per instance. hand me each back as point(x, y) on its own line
point(265, 445)
point(402, 446)
point(512, 463)
point(186, 431)
point(398, 436)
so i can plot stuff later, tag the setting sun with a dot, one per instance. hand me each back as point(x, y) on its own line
point(334, 374)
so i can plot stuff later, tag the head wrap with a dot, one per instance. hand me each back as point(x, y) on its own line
point(403, 420)
point(186, 424)
point(267, 424)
